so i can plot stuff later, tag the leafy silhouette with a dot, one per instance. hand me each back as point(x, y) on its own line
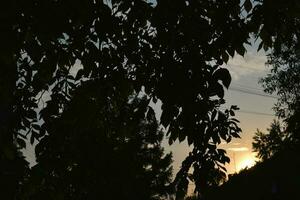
point(284, 81)
point(101, 146)
point(274, 178)
point(268, 144)
point(172, 50)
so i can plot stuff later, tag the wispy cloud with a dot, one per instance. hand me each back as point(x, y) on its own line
point(237, 149)
point(251, 63)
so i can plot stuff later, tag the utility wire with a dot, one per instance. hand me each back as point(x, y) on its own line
point(254, 112)
point(251, 92)
point(250, 112)
point(247, 87)
point(251, 68)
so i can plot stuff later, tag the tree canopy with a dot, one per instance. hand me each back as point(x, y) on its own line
point(172, 50)
point(266, 145)
point(284, 81)
point(101, 148)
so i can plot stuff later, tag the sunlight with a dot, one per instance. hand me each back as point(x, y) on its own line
point(246, 163)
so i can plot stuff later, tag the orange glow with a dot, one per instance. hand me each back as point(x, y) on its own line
point(247, 162)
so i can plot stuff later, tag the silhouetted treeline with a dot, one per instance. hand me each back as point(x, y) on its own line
point(172, 51)
point(277, 178)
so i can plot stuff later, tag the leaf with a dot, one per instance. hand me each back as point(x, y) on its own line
point(181, 136)
point(216, 138)
point(221, 151)
point(248, 5)
point(219, 90)
point(79, 74)
point(34, 135)
point(241, 50)
point(223, 75)
point(225, 159)
point(260, 45)
point(225, 57)
point(165, 118)
point(234, 107)
point(154, 99)
point(190, 140)
point(36, 127)
point(21, 143)
point(31, 114)
point(235, 134)
point(231, 51)
point(150, 114)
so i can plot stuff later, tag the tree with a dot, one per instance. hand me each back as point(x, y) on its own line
point(174, 50)
point(130, 46)
point(268, 144)
point(284, 81)
point(102, 147)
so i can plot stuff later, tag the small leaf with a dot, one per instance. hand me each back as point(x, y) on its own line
point(21, 143)
point(190, 140)
point(260, 45)
point(79, 74)
point(34, 135)
point(181, 137)
point(225, 57)
point(248, 5)
point(235, 134)
point(154, 99)
point(223, 75)
point(231, 52)
point(234, 107)
point(36, 126)
point(219, 90)
point(241, 50)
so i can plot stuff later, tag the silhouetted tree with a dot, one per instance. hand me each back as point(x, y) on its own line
point(173, 49)
point(268, 144)
point(284, 81)
point(274, 178)
point(102, 147)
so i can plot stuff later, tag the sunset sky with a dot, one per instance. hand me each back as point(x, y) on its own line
point(255, 111)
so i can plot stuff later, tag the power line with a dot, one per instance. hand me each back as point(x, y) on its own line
point(250, 112)
point(255, 113)
point(251, 92)
point(247, 87)
point(251, 68)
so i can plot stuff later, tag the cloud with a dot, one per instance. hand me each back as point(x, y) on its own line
point(251, 63)
point(237, 149)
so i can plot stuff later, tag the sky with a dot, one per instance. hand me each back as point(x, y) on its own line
point(255, 111)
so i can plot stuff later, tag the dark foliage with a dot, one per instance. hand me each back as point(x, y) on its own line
point(101, 147)
point(274, 179)
point(172, 49)
point(275, 140)
point(284, 81)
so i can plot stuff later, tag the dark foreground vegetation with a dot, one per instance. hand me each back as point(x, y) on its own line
point(77, 78)
point(273, 179)
point(277, 175)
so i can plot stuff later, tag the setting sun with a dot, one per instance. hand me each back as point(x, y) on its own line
point(246, 163)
